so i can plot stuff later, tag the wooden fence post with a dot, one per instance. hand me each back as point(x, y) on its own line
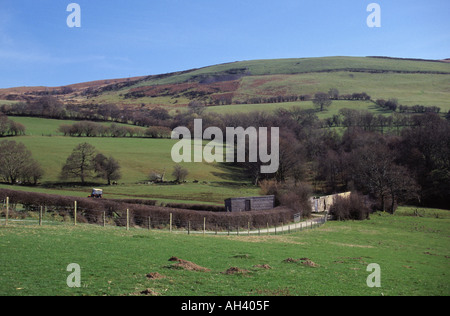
point(170, 223)
point(40, 216)
point(149, 223)
point(128, 219)
point(104, 219)
point(248, 228)
point(204, 226)
point(7, 211)
point(75, 213)
point(189, 227)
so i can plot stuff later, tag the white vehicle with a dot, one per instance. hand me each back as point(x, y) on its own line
point(96, 194)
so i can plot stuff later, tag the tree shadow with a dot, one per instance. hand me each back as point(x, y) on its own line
point(233, 176)
point(378, 109)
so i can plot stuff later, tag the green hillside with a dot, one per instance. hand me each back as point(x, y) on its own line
point(410, 81)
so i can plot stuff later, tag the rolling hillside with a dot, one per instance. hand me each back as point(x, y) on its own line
point(424, 82)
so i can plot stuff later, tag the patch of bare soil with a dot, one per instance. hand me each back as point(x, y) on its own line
point(235, 270)
point(263, 266)
point(187, 265)
point(155, 276)
point(304, 261)
point(310, 263)
point(147, 292)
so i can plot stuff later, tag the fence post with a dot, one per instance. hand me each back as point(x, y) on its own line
point(170, 223)
point(104, 219)
point(267, 228)
point(248, 228)
point(128, 219)
point(40, 216)
point(189, 227)
point(149, 223)
point(75, 213)
point(7, 211)
point(204, 226)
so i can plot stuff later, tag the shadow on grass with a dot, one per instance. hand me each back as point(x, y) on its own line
point(71, 185)
point(232, 175)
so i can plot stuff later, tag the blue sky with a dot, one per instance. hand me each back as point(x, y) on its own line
point(131, 38)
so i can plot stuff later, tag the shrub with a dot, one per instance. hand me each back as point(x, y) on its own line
point(197, 207)
point(355, 207)
point(295, 196)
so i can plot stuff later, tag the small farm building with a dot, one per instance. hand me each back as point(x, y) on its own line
point(245, 204)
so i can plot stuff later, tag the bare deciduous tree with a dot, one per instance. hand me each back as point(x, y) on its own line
point(107, 168)
point(322, 100)
point(16, 163)
point(180, 173)
point(80, 164)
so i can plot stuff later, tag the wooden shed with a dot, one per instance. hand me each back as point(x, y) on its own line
point(245, 204)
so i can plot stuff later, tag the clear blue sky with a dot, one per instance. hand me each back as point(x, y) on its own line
point(121, 38)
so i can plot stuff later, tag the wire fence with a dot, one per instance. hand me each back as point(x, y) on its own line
point(26, 214)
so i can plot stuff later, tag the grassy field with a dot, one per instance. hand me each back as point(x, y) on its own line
point(412, 253)
point(137, 158)
point(409, 89)
point(49, 127)
point(306, 105)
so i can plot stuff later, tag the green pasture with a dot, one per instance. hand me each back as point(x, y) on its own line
point(36, 126)
point(412, 252)
point(409, 89)
point(138, 157)
point(333, 109)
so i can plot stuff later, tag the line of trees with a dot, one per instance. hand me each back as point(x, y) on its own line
point(93, 129)
point(332, 94)
point(393, 105)
point(9, 127)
